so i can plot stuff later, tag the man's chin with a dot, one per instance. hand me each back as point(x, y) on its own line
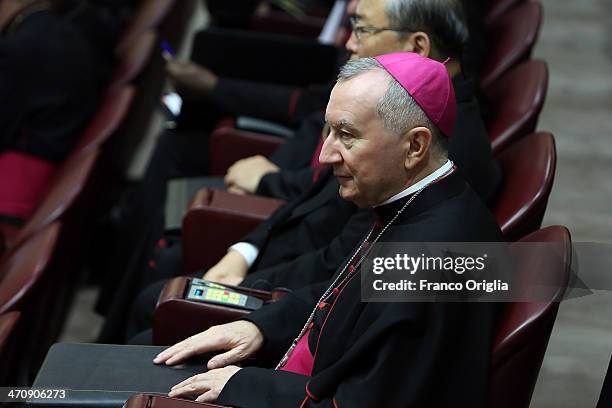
point(349, 195)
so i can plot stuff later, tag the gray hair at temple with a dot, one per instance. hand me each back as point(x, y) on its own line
point(443, 20)
point(398, 111)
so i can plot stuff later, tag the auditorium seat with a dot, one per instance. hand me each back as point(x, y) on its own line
point(8, 342)
point(228, 145)
point(511, 40)
point(515, 101)
point(524, 327)
point(497, 8)
point(148, 16)
point(107, 119)
point(529, 168)
point(132, 58)
point(217, 219)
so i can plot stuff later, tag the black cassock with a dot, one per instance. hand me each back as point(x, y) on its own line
point(383, 354)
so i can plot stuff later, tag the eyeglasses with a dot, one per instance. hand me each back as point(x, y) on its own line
point(364, 31)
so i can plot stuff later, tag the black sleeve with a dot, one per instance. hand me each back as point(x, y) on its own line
point(239, 97)
point(318, 265)
point(286, 185)
point(414, 347)
point(284, 104)
point(280, 322)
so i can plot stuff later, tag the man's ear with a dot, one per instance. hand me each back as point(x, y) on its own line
point(417, 143)
point(418, 42)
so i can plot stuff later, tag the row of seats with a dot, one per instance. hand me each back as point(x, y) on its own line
point(40, 261)
point(39, 264)
point(516, 87)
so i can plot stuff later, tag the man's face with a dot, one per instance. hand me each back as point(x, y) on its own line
point(367, 159)
point(371, 14)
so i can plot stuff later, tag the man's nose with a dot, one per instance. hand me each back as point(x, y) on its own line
point(329, 154)
point(352, 44)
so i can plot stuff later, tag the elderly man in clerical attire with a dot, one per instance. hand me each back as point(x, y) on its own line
point(388, 118)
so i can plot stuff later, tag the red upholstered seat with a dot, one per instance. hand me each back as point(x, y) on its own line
point(516, 100)
point(511, 40)
point(524, 328)
point(529, 170)
point(8, 331)
point(217, 219)
point(107, 119)
point(132, 57)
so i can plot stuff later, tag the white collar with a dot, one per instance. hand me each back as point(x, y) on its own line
point(445, 168)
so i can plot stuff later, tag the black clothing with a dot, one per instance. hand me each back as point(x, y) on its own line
point(48, 86)
point(363, 347)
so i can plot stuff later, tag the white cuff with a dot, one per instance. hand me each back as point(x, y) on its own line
point(248, 251)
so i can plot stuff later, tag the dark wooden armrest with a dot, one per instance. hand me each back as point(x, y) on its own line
point(228, 145)
point(177, 318)
point(217, 219)
point(161, 401)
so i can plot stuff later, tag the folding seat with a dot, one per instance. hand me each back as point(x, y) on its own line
point(524, 327)
point(107, 119)
point(497, 8)
point(149, 16)
point(516, 100)
point(8, 342)
point(529, 170)
point(511, 40)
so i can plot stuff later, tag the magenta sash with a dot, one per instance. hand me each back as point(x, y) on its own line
point(24, 180)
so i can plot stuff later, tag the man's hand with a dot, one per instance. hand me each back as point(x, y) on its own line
point(246, 174)
point(230, 270)
point(208, 384)
point(241, 339)
point(191, 78)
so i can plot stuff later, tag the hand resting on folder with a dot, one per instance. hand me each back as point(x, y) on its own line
point(240, 339)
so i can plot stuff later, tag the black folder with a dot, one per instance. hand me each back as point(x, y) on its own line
point(100, 375)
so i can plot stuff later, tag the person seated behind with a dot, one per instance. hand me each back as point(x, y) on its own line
point(49, 89)
point(389, 118)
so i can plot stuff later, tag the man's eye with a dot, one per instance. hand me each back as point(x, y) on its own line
point(345, 135)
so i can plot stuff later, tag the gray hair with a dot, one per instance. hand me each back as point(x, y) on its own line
point(444, 22)
point(397, 110)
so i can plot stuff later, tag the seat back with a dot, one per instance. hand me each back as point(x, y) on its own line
point(511, 40)
point(8, 332)
point(22, 268)
point(68, 183)
point(516, 100)
point(524, 327)
point(529, 170)
point(108, 118)
point(132, 58)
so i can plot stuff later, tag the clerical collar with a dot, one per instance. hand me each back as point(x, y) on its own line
point(445, 168)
